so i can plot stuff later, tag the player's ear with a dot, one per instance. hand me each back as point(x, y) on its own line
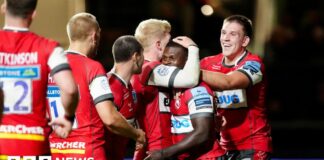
point(3, 7)
point(246, 41)
point(158, 45)
point(34, 14)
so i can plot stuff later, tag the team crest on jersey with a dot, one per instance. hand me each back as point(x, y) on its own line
point(163, 71)
point(177, 103)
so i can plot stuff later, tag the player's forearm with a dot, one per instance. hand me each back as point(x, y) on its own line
point(70, 102)
point(68, 90)
point(192, 140)
point(189, 76)
point(217, 81)
point(118, 125)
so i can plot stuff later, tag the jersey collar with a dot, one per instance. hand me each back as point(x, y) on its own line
point(118, 77)
point(74, 52)
point(237, 61)
point(15, 29)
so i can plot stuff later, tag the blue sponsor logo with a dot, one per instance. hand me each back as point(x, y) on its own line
point(53, 91)
point(202, 102)
point(252, 66)
point(199, 92)
point(228, 99)
point(32, 72)
point(180, 124)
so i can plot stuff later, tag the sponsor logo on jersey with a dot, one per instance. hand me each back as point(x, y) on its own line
point(53, 91)
point(31, 72)
point(183, 123)
point(228, 99)
point(163, 71)
point(68, 145)
point(21, 129)
point(252, 66)
point(203, 103)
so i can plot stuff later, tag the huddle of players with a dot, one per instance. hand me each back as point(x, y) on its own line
point(155, 84)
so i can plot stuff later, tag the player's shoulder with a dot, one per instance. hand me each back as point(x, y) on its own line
point(212, 58)
point(253, 57)
point(150, 64)
point(42, 39)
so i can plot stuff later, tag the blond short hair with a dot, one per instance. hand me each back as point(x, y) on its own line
point(150, 29)
point(80, 26)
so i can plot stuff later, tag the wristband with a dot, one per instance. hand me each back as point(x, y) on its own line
point(69, 118)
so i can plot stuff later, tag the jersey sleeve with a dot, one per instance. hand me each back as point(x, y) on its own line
point(99, 86)
point(157, 74)
point(57, 60)
point(252, 69)
point(200, 102)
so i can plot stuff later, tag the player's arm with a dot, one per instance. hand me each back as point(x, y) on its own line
point(116, 123)
point(63, 77)
point(202, 126)
point(180, 78)
point(249, 73)
point(220, 81)
point(202, 118)
point(112, 119)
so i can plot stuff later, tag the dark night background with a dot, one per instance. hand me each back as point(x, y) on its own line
point(293, 56)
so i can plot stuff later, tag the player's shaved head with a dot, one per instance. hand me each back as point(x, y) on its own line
point(81, 25)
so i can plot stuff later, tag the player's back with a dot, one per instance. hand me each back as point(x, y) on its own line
point(88, 130)
point(153, 110)
point(24, 68)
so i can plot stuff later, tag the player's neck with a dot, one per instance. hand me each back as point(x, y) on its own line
point(17, 22)
point(80, 47)
point(124, 71)
point(232, 59)
point(151, 56)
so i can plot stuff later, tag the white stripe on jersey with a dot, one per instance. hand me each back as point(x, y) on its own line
point(57, 57)
point(99, 87)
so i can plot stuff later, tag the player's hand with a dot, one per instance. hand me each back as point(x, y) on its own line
point(184, 41)
point(155, 155)
point(62, 127)
point(140, 140)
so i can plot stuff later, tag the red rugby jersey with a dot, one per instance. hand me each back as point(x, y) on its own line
point(153, 110)
point(185, 105)
point(87, 137)
point(247, 126)
point(26, 59)
point(125, 100)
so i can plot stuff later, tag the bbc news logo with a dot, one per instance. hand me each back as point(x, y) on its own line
point(45, 158)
